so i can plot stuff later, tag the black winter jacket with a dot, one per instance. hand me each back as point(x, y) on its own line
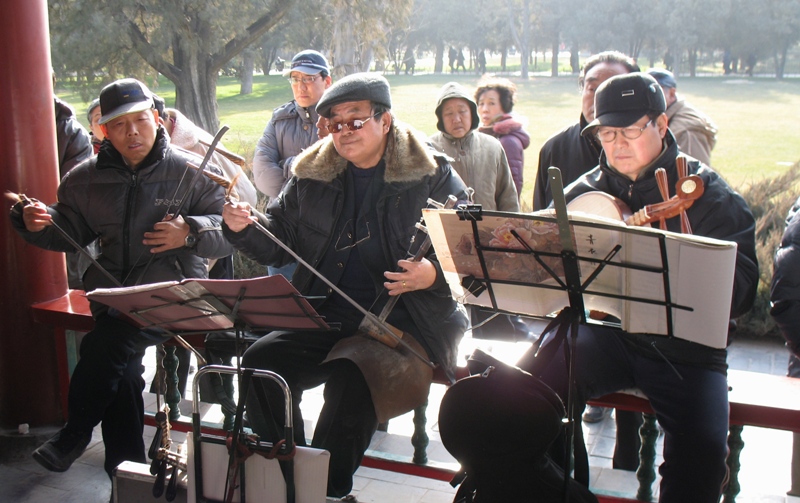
point(785, 294)
point(104, 198)
point(720, 213)
point(73, 141)
point(568, 151)
point(305, 214)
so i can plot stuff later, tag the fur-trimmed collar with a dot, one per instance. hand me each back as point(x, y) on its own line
point(408, 158)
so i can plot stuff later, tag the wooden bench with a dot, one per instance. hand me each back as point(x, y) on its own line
point(750, 405)
point(71, 312)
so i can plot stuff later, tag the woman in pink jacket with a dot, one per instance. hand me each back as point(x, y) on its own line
point(496, 97)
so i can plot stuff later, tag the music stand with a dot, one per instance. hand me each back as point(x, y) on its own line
point(200, 306)
point(646, 280)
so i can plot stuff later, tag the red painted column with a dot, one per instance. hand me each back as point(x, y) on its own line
point(29, 165)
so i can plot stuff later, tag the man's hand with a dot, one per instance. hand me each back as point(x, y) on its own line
point(35, 216)
point(168, 234)
point(237, 215)
point(415, 276)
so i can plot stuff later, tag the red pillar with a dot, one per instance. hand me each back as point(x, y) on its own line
point(29, 165)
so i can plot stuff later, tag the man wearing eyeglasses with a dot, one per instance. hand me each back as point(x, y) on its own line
point(350, 211)
point(684, 381)
point(292, 128)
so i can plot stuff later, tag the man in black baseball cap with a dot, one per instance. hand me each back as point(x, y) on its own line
point(684, 381)
point(122, 197)
point(629, 107)
point(122, 97)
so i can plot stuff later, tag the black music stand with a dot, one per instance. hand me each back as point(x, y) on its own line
point(537, 265)
point(201, 306)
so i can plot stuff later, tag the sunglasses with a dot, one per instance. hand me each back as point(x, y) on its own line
point(355, 125)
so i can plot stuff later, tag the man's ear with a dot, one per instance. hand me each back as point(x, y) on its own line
point(662, 123)
point(104, 129)
point(386, 121)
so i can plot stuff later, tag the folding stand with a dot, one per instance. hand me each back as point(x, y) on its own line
point(536, 264)
point(203, 306)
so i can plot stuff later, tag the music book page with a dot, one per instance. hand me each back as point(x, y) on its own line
point(630, 273)
point(199, 305)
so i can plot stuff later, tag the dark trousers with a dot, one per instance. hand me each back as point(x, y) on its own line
point(347, 421)
point(106, 386)
point(693, 411)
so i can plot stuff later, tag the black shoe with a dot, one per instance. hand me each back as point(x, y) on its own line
point(58, 453)
point(349, 499)
point(594, 414)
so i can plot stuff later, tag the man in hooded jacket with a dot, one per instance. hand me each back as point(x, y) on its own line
point(478, 158)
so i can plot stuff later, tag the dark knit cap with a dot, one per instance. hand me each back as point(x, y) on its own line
point(355, 87)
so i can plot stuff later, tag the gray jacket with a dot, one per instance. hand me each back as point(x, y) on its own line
point(291, 129)
point(481, 162)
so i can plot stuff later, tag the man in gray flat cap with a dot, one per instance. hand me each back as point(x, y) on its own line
point(350, 210)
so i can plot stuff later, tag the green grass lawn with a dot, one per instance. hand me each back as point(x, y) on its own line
point(757, 118)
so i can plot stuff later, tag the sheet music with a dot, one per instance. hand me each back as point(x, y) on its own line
point(204, 305)
point(700, 275)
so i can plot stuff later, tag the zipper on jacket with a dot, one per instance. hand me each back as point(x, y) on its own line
point(126, 234)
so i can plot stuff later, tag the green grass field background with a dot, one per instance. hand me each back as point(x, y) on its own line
point(757, 118)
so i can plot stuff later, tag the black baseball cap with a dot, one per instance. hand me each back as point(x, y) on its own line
point(122, 97)
point(624, 99)
point(309, 62)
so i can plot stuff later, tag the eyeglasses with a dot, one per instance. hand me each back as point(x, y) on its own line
point(349, 233)
point(336, 127)
point(295, 81)
point(631, 133)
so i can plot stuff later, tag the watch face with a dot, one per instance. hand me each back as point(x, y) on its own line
point(190, 240)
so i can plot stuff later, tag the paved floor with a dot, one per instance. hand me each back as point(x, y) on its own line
point(764, 477)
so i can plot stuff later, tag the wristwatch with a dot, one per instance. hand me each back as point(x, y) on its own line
point(190, 241)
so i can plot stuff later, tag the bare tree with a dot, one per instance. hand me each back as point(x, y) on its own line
point(188, 42)
point(519, 12)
